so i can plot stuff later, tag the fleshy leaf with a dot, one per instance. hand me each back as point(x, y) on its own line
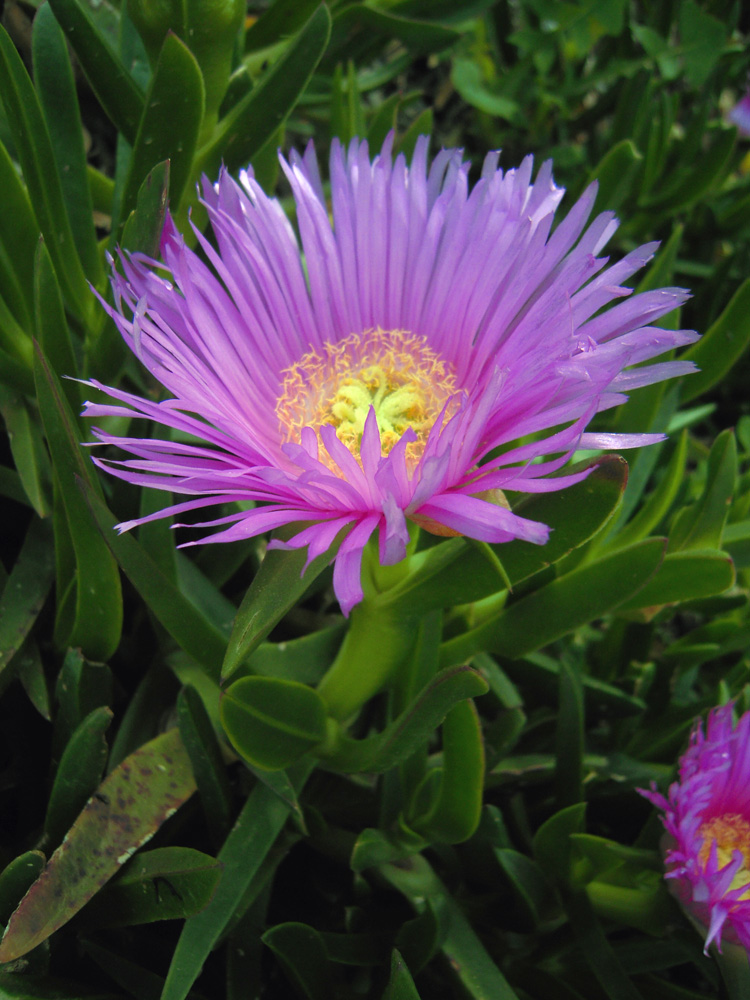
point(272, 722)
point(302, 955)
point(78, 774)
point(254, 119)
point(164, 884)
point(400, 984)
point(98, 598)
point(53, 77)
point(169, 126)
point(456, 811)
point(184, 622)
point(143, 228)
point(115, 88)
point(25, 591)
point(562, 605)
point(276, 587)
point(40, 174)
point(454, 572)
point(243, 855)
point(408, 731)
point(126, 810)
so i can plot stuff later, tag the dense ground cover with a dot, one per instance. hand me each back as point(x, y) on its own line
point(433, 850)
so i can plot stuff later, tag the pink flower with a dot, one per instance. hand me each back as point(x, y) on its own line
point(740, 115)
point(707, 820)
point(382, 371)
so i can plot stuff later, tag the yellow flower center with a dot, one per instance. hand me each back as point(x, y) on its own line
point(730, 832)
point(394, 372)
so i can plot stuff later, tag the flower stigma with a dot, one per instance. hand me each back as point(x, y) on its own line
point(394, 372)
point(730, 832)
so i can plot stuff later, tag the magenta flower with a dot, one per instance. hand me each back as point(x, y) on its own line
point(383, 372)
point(740, 115)
point(707, 819)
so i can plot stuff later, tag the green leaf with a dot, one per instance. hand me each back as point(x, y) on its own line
point(456, 811)
point(114, 87)
point(659, 502)
point(169, 883)
point(302, 955)
point(52, 330)
point(280, 20)
point(205, 757)
point(81, 688)
point(19, 233)
point(400, 984)
point(408, 731)
point(347, 112)
point(170, 124)
point(467, 78)
point(597, 951)
point(660, 273)
point(355, 26)
point(53, 76)
point(561, 606)
point(127, 809)
point(454, 572)
point(721, 347)
point(254, 119)
point(143, 228)
point(277, 586)
point(36, 156)
point(15, 880)
point(27, 447)
point(615, 174)
point(14, 339)
point(703, 38)
point(569, 738)
point(79, 772)
point(25, 591)
point(479, 976)
point(701, 525)
point(736, 541)
point(373, 847)
point(271, 722)
point(552, 844)
point(242, 856)
point(184, 622)
point(383, 120)
point(422, 125)
point(531, 890)
point(98, 598)
point(33, 678)
point(305, 659)
point(685, 576)
point(692, 183)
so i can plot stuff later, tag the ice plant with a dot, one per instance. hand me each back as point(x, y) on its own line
point(386, 377)
point(706, 815)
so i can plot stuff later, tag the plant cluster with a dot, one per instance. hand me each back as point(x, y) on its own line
point(206, 788)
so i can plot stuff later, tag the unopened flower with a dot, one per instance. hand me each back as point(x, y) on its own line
point(706, 815)
point(386, 377)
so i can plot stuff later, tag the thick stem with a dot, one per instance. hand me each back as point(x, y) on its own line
point(375, 646)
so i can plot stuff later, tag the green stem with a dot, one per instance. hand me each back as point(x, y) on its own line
point(735, 970)
point(374, 647)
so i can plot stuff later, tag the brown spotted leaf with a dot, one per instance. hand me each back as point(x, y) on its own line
point(125, 811)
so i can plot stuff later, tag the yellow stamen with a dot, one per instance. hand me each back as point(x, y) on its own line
point(396, 373)
point(730, 832)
